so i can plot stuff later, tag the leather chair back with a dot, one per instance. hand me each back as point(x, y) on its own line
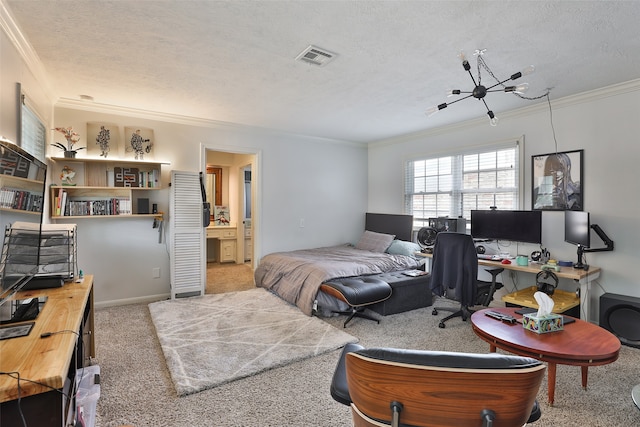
point(441, 389)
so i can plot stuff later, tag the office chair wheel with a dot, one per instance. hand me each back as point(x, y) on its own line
point(441, 325)
point(434, 312)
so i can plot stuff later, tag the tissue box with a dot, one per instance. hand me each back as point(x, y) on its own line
point(542, 324)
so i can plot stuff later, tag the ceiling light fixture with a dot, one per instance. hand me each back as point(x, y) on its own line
point(480, 91)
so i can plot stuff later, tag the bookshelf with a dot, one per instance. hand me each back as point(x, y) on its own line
point(21, 194)
point(101, 188)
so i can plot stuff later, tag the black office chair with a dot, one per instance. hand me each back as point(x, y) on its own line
point(454, 275)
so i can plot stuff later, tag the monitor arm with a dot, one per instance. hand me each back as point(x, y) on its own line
point(607, 241)
point(581, 249)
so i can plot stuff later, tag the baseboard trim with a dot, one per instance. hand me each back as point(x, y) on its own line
point(128, 301)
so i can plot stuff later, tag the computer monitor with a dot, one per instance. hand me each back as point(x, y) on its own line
point(22, 179)
point(517, 226)
point(577, 228)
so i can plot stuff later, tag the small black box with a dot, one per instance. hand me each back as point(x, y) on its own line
point(143, 206)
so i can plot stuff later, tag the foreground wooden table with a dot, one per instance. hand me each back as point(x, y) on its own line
point(47, 366)
point(579, 344)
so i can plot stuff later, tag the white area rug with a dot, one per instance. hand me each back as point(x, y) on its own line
point(213, 339)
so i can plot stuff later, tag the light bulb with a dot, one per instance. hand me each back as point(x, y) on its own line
point(462, 56)
point(528, 70)
point(521, 88)
point(493, 120)
point(431, 111)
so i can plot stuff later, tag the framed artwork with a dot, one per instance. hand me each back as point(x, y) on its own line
point(138, 143)
point(103, 140)
point(221, 215)
point(557, 180)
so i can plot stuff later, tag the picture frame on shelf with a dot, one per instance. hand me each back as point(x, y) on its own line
point(139, 143)
point(103, 140)
point(221, 215)
point(557, 181)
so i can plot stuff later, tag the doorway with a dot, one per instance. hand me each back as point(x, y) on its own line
point(231, 247)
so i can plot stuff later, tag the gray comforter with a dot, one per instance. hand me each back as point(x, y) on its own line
point(296, 276)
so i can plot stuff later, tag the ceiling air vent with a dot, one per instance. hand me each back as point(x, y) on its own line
point(316, 56)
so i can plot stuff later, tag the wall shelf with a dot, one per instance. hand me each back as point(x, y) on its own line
point(102, 188)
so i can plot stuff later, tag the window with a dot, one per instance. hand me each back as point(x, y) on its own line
point(453, 185)
point(33, 133)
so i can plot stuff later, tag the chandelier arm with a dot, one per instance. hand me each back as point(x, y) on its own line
point(485, 104)
point(500, 83)
point(459, 99)
point(473, 79)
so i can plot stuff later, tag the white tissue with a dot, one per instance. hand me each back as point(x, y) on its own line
point(545, 304)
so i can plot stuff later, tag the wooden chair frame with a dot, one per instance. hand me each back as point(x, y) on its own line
point(440, 396)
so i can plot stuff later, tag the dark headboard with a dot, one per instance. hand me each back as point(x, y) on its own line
point(400, 225)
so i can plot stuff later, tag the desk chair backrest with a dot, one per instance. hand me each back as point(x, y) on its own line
point(441, 389)
point(455, 268)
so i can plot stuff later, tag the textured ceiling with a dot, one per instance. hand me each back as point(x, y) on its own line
point(234, 61)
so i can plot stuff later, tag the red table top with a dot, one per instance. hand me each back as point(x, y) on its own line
point(579, 343)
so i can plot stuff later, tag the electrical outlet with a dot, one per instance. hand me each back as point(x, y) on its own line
point(155, 273)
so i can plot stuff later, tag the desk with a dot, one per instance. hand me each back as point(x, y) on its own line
point(579, 344)
point(50, 362)
point(226, 235)
point(584, 278)
point(563, 302)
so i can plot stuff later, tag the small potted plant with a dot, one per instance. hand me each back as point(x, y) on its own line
point(72, 137)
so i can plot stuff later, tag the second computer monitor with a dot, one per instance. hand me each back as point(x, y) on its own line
point(517, 226)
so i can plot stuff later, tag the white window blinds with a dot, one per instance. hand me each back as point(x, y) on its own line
point(33, 133)
point(453, 185)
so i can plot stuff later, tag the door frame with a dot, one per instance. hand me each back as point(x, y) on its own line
point(256, 186)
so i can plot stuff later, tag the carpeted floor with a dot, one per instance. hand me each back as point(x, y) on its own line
point(228, 277)
point(136, 386)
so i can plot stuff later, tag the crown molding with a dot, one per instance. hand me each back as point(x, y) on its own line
point(25, 50)
point(97, 107)
point(567, 101)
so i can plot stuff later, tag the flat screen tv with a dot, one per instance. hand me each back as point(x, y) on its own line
point(22, 186)
point(516, 226)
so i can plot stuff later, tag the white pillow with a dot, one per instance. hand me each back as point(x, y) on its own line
point(401, 247)
point(374, 242)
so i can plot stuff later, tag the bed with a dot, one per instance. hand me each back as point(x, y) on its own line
point(296, 276)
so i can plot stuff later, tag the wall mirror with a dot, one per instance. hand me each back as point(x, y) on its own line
point(214, 186)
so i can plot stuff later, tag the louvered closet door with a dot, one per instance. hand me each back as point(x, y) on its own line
point(187, 235)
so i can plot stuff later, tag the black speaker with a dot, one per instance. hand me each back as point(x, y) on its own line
point(620, 314)
point(143, 206)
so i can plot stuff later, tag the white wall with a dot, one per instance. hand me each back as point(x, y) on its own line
point(321, 182)
point(604, 123)
point(13, 71)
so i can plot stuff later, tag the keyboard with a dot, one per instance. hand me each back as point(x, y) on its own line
point(489, 257)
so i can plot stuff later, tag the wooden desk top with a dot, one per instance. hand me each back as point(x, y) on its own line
point(45, 360)
point(580, 343)
point(562, 300)
point(565, 272)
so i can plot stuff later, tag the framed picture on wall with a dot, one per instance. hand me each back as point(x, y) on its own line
point(557, 180)
point(139, 143)
point(103, 140)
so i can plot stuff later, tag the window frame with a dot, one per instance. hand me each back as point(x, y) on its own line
point(29, 116)
point(456, 207)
